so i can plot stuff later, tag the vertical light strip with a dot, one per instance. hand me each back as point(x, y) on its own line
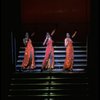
point(12, 47)
point(15, 49)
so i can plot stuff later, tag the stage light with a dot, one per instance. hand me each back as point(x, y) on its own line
point(47, 82)
point(47, 87)
point(52, 82)
point(46, 99)
point(48, 77)
point(51, 87)
point(51, 93)
point(45, 93)
point(51, 99)
point(52, 76)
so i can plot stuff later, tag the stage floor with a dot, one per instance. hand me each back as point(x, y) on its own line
point(53, 71)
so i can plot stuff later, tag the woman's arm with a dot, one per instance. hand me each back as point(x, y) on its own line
point(25, 40)
point(45, 40)
point(74, 34)
point(32, 34)
point(66, 42)
point(53, 32)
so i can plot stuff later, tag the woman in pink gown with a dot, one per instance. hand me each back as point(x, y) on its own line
point(68, 64)
point(28, 61)
point(48, 62)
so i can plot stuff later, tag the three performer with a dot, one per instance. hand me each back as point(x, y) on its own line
point(48, 61)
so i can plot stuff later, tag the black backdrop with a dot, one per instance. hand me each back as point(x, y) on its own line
point(10, 21)
point(64, 15)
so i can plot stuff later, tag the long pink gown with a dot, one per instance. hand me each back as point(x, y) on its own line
point(48, 61)
point(68, 64)
point(29, 53)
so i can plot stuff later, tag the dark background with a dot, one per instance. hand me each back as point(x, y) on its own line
point(63, 15)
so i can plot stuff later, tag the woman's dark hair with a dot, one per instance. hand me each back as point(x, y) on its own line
point(68, 35)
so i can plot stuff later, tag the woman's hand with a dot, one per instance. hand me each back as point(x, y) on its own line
point(43, 44)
